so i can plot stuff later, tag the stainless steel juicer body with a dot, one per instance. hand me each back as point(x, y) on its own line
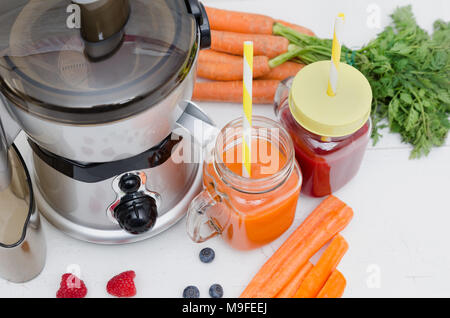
point(108, 141)
point(85, 209)
point(121, 120)
point(100, 119)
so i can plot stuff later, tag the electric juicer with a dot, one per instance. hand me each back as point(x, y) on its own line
point(101, 88)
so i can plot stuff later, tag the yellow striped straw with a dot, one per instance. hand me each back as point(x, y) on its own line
point(247, 103)
point(335, 54)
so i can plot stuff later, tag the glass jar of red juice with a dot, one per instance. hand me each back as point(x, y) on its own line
point(330, 133)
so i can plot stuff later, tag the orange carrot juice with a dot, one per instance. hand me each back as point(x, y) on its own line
point(253, 211)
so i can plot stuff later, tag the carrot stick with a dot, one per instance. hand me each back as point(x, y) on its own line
point(297, 28)
point(288, 248)
point(230, 42)
point(231, 91)
point(334, 287)
point(234, 21)
point(316, 239)
point(232, 71)
point(283, 71)
point(291, 288)
point(329, 218)
point(318, 276)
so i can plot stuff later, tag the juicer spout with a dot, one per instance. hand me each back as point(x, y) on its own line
point(197, 123)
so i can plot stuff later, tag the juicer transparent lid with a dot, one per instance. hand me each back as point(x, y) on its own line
point(51, 67)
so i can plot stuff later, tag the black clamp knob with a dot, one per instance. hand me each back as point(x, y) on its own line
point(130, 183)
point(199, 12)
point(137, 212)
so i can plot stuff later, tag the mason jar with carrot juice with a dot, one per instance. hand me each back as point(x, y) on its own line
point(330, 133)
point(247, 212)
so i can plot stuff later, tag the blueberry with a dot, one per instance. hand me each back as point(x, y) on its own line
point(216, 291)
point(191, 292)
point(207, 255)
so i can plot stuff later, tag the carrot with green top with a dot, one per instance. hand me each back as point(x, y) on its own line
point(231, 91)
point(328, 219)
point(243, 22)
point(211, 56)
point(226, 67)
point(296, 27)
point(334, 287)
point(233, 71)
point(319, 274)
point(283, 71)
point(233, 43)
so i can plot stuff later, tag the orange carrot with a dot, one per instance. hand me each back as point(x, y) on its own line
point(231, 91)
point(211, 56)
point(297, 28)
point(334, 287)
point(283, 71)
point(329, 218)
point(289, 246)
point(291, 288)
point(234, 21)
point(233, 43)
point(209, 67)
point(243, 22)
point(232, 71)
point(318, 276)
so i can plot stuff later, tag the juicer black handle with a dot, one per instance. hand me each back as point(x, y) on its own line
point(197, 9)
point(136, 212)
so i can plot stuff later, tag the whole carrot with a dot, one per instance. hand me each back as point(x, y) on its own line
point(231, 91)
point(232, 68)
point(291, 288)
point(334, 287)
point(328, 219)
point(319, 274)
point(211, 56)
point(243, 22)
point(234, 21)
point(233, 71)
point(231, 42)
point(296, 27)
point(283, 71)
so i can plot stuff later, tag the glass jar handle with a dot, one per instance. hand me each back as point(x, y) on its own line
point(282, 93)
point(200, 227)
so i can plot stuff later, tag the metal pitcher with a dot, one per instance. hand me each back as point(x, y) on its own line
point(22, 243)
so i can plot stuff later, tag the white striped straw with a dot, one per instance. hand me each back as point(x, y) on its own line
point(247, 103)
point(335, 54)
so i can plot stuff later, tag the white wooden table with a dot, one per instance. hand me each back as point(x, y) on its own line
point(398, 238)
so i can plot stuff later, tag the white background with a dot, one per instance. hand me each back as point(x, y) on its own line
point(402, 213)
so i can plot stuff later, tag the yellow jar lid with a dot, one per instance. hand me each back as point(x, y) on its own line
point(331, 116)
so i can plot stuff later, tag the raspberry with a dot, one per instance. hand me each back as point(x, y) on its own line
point(122, 285)
point(71, 287)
